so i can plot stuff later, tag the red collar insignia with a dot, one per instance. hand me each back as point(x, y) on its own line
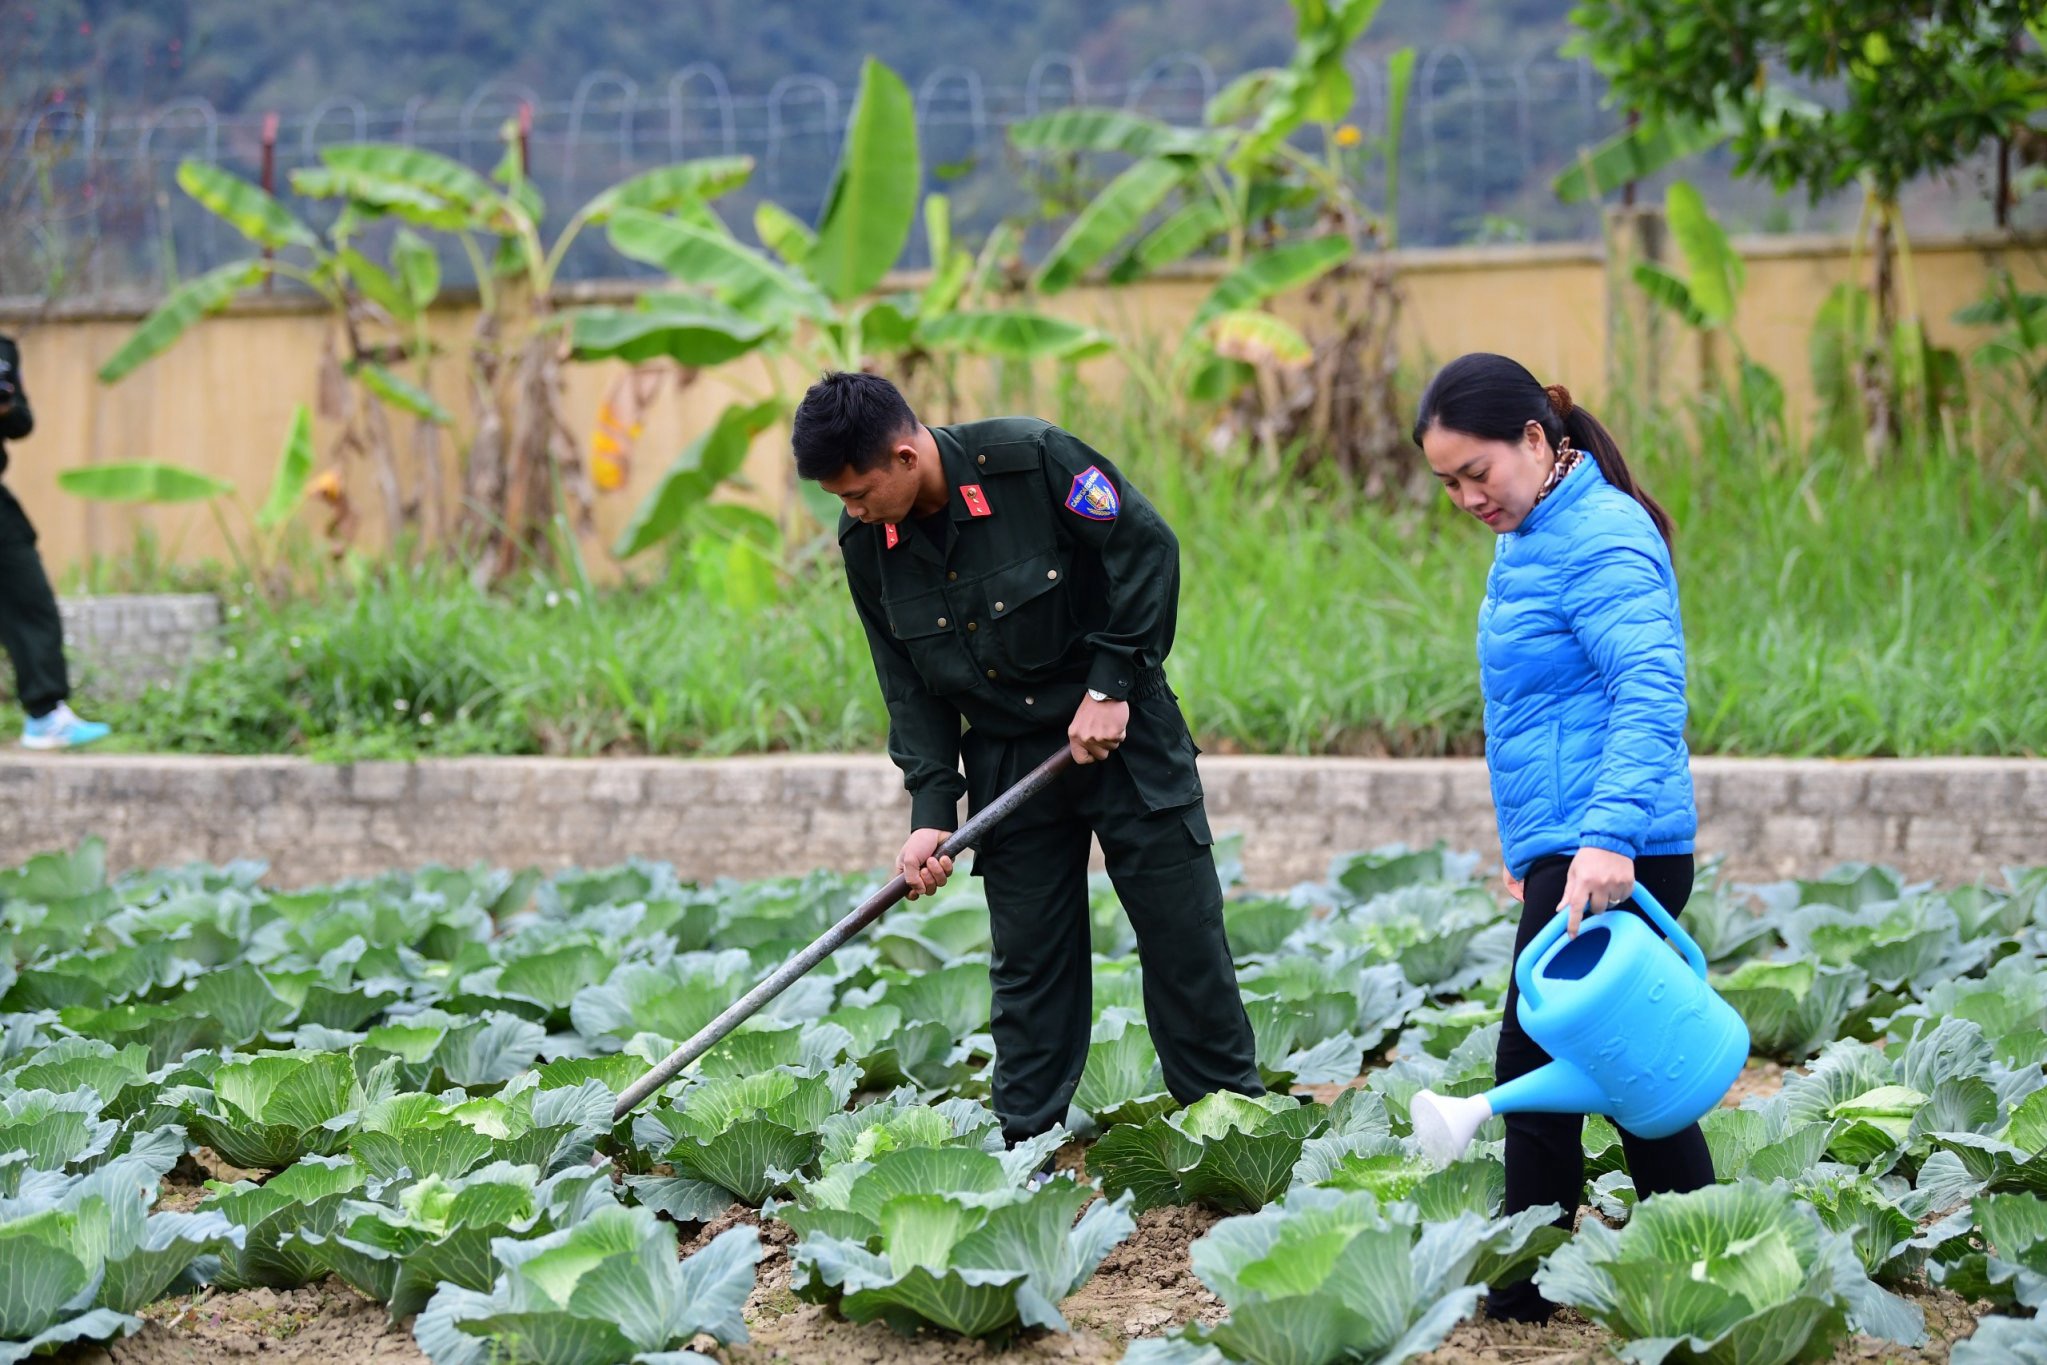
point(976, 501)
point(890, 534)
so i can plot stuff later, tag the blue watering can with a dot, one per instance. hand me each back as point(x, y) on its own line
point(1636, 1032)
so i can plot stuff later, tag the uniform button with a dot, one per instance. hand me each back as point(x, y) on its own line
point(941, 620)
point(1051, 573)
point(951, 574)
point(991, 673)
point(973, 625)
point(1030, 701)
point(998, 606)
point(980, 459)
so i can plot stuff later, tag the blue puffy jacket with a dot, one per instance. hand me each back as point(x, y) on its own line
point(1581, 652)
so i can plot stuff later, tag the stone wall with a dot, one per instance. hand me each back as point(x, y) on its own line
point(1952, 819)
point(123, 643)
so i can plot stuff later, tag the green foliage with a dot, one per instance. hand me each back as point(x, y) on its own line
point(1240, 181)
point(1920, 88)
point(948, 1236)
point(1330, 1276)
point(1731, 1272)
point(602, 1290)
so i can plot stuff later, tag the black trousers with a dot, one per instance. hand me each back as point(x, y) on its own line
point(1546, 1152)
point(1034, 870)
point(30, 629)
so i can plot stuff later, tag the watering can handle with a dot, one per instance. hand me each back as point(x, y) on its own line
point(1524, 966)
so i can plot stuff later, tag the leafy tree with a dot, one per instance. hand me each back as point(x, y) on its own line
point(1908, 88)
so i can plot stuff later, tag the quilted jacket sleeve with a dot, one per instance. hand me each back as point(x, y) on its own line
point(1622, 606)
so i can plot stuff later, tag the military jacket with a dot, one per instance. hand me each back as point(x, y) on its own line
point(1048, 575)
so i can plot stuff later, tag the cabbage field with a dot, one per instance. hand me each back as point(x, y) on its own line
point(372, 1121)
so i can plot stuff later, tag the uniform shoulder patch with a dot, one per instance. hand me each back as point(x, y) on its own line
point(1093, 496)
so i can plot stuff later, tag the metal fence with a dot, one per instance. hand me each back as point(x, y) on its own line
point(95, 208)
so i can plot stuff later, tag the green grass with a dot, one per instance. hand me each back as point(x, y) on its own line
point(1830, 609)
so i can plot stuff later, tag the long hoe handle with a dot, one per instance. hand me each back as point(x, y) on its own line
point(835, 937)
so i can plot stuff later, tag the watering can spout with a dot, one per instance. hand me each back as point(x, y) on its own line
point(1445, 1124)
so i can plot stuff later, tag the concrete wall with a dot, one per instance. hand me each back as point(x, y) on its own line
point(124, 643)
point(1951, 819)
point(221, 399)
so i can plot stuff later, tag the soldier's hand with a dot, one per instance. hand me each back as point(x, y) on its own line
point(1097, 729)
point(920, 863)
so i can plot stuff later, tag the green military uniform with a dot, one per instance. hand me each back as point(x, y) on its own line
point(1046, 575)
point(31, 632)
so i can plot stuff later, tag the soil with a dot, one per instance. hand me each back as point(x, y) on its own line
point(321, 1324)
point(1146, 1287)
point(1759, 1079)
point(185, 1184)
point(1566, 1339)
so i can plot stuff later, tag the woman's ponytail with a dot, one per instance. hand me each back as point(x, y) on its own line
point(1590, 435)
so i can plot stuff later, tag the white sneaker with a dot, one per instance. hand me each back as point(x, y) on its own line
point(61, 729)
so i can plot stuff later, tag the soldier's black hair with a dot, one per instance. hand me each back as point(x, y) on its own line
point(848, 419)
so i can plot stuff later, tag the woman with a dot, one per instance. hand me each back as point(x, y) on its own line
point(1581, 655)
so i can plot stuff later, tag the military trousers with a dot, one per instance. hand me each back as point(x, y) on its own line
point(30, 629)
point(1144, 804)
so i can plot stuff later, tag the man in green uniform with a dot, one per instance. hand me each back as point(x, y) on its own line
point(31, 631)
point(1009, 577)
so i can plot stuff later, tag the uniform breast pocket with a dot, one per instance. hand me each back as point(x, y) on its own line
point(924, 624)
point(1028, 608)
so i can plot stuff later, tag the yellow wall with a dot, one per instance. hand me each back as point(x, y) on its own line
point(221, 399)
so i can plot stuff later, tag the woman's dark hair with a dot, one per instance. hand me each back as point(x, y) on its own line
point(848, 418)
point(1495, 398)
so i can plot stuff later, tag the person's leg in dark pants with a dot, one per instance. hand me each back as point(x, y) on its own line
point(1163, 869)
point(1034, 871)
point(1682, 1161)
point(1545, 1155)
point(30, 629)
point(1545, 1152)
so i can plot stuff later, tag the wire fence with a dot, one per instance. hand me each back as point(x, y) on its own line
point(94, 206)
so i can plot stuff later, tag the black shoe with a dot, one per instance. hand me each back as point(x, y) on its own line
point(1519, 1302)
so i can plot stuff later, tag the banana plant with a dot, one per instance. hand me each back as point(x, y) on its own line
point(523, 476)
point(811, 297)
point(1704, 295)
point(359, 378)
point(161, 483)
point(1281, 217)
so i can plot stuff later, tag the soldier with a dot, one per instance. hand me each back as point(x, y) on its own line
point(31, 631)
point(1009, 577)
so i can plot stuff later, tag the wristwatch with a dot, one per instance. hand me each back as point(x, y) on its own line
point(1093, 695)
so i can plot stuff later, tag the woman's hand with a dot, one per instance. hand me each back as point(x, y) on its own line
point(1512, 883)
point(1597, 880)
